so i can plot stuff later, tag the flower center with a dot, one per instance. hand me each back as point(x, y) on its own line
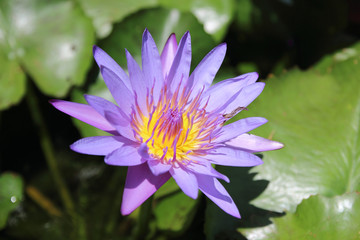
point(176, 128)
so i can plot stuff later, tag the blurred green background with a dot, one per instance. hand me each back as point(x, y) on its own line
point(308, 53)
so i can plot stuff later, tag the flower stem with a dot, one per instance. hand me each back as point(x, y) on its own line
point(48, 149)
point(142, 229)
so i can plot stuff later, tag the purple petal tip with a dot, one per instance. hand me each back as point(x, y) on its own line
point(55, 102)
point(255, 74)
point(222, 44)
point(277, 145)
point(172, 38)
point(258, 162)
point(124, 211)
point(186, 35)
point(95, 48)
point(146, 34)
point(71, 146)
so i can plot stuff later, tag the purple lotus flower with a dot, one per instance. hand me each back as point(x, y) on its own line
point(169, 124)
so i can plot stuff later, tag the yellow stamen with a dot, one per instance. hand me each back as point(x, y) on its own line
point(174, 130)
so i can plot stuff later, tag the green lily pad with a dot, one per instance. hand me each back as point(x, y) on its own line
point(315, 218)
point(242, 189)
point(170, 187)
point(214, 15)
point(105, 13)
point(11, 194)
point(175, 212)
point(316, 113)
point(56, 54)
point(12, 82)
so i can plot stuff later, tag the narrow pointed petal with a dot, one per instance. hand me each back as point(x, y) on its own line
point(136, 75)
point(139, 83)
point(122, 95)
point(213, 189)
point(228, 156)
point(113, 114)
point(252, 143)
point(140, 185)
point(186, 181)
point(179, 71)
point(103, 106)
point(168, 54)
point(84, 113)
point(221, 92)
point(204, 73)
point(243, 98)
point(157, 167)
point(239, 127)
point(151, 64)
point(124, 156)
point(103, 59)
point(99, 145)
point(206, 169)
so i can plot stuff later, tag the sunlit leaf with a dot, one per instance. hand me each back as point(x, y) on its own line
point(214, 15)
point(316, 113)
point(104, 13)
point(242, 188)
point(315, 218)
point(12, 81)
point(51, 40)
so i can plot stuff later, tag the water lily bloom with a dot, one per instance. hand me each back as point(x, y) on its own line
point(167, 123)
